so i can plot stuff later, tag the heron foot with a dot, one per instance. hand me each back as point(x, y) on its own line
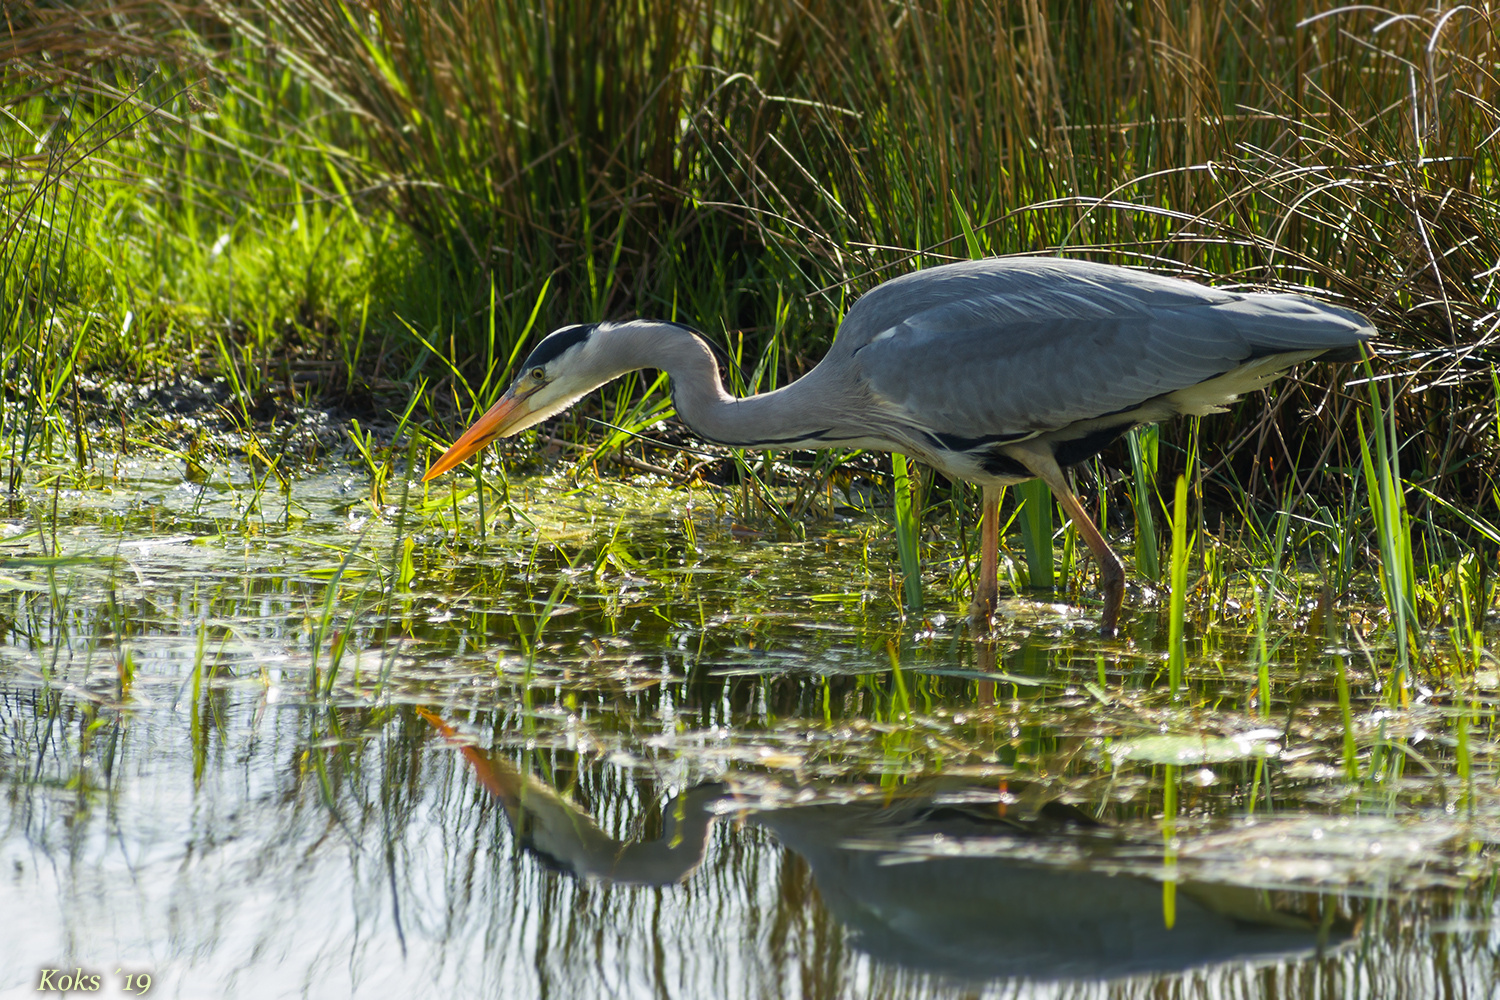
point(982, 611)
point(1112, 588)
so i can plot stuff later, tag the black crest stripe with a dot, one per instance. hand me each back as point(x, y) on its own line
point(557, 343)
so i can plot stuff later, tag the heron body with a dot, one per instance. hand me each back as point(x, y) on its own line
point(991, 371)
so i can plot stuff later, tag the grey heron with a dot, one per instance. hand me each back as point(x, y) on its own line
point(990, 371)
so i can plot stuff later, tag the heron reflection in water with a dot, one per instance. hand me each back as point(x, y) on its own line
point(966, 910)
point(992, 371)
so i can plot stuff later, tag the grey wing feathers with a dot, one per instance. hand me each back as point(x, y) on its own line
point(1034, 344)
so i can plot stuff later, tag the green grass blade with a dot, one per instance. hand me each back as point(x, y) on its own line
point(1181, 550)
point(1143, 443)
point(907, 523)
point(1036, 533)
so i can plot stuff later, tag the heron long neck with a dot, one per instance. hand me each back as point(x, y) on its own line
point(571, 840)
point(803, 414)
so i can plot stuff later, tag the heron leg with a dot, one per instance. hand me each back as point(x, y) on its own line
point(987, 586)
point(1111, 573)
point(1040, 460)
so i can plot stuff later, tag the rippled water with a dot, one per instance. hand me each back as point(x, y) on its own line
point(259, 742)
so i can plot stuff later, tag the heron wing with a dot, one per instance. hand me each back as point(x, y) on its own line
point(1013, 347)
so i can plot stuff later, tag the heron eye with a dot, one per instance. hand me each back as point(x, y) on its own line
point(539, 374)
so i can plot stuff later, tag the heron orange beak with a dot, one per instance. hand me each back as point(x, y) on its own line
point(497, 421)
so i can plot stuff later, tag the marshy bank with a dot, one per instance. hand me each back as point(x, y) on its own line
point(278, 720)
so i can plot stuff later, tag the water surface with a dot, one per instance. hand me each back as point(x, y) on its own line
point(275, 741)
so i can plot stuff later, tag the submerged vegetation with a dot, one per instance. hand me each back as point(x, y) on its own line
point(243, 244)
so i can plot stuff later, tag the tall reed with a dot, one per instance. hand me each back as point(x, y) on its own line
point(1392, 523)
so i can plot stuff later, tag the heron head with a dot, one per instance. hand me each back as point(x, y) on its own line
point(555, 375)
